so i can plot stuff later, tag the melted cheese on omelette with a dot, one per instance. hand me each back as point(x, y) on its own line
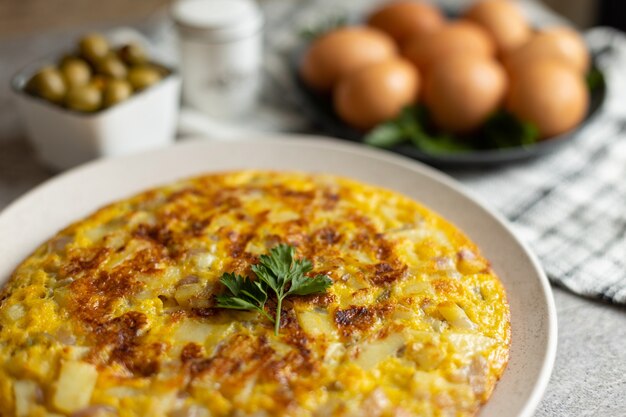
point(115, 315)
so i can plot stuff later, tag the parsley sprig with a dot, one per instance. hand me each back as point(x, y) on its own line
point(414, 127)
point(279, 273)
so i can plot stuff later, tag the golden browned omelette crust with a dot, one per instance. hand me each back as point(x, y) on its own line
point(116, 316)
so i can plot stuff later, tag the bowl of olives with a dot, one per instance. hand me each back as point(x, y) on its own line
point(103, 99)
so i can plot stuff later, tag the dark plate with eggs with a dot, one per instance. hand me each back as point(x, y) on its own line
point(319, 108)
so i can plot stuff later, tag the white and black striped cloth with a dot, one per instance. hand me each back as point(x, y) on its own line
point(571, 205)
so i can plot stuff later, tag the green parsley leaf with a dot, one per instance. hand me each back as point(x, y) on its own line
point(245, 294)
point(503, 130)
point(274, 268)
point(414, 125)
point(279, 272)
point(595, 79)
point(315, 31)
point(386, 135)
point(302, 285)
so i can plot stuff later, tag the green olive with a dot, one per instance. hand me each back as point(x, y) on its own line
point(162, 70)
point(93, 47)
point(85, 98)
point(48, 83)
point(117, 91)
point(143, 76)
point(112, 66)
point(75, 71)
point(100, 81)
point(67, 58)
point(133, 54)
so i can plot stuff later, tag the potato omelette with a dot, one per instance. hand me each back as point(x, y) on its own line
point(116, 315)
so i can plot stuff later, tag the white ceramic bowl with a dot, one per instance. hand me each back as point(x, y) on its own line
point(64, 138)
point(39, 214)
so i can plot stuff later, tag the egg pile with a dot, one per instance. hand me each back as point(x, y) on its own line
point(462, 70)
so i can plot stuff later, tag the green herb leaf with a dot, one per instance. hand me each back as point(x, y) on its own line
point(503, 130)
point(303, 285)
point(279, 272)
point(245, 294)
point(227, 301)
point(594, 78)
point(274, 268)
point(437, 143)
point(414, 125)
point(386, 135)
point(239, 285)
point(417, 122)
point(315, 31)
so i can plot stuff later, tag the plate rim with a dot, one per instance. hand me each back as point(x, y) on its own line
point(330, 144)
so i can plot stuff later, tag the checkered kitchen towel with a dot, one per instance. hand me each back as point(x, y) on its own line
point(570, 206)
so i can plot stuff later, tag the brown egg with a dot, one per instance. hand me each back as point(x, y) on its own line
point(403, 19)
point(559, 43)
point(503, 20)
point(460, 36)
point(342, 51)
point(549, 94)
point(376, 93)
point(463, 90)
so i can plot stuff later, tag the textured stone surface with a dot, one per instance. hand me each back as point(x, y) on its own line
point(589, 377)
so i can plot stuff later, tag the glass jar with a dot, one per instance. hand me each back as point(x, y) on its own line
point(220, 45)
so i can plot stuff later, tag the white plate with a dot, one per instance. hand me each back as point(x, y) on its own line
point(57, 203)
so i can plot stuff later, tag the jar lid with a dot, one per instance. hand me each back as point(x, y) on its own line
point(217, 20)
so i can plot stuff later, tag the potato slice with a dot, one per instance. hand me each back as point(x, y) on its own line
point(372, 353)
point(74, 386)
point(25, 393)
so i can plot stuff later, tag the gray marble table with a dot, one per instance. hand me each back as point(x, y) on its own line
point(589, 377)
